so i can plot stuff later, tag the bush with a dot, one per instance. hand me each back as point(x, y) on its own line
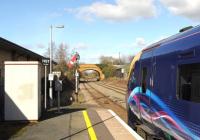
point(107, 69)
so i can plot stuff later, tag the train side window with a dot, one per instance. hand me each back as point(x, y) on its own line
point(189, 82)
point(144, 78)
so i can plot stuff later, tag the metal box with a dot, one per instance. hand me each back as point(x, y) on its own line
point(22, 90)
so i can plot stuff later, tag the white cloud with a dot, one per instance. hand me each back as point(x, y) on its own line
point(186, 8)
point(140, 42)
point(120, 11)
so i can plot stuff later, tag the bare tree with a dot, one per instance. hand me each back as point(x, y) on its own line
point(61, 58)
point(61, 53)
point(46, 54)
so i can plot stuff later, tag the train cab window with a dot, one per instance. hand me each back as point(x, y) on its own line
point(132, 81)
point(144, 78)
point(0, 77)
point(189, 82)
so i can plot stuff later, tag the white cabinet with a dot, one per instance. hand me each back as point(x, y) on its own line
point(22, 90)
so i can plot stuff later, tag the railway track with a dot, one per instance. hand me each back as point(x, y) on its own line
point(114, 88)
point(122, 86)
point(105, 102)
point(113, 94)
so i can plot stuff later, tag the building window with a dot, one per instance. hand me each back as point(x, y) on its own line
point(144, 79)
point(189, 82)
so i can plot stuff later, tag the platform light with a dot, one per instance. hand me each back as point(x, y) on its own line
point(50, 55)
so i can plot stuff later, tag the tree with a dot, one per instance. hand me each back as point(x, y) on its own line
point(61, 58)
point(61, 53)
point(106, 65)
point(109, 71)
point(46, 54)
point(112, 60)
point(106, 60)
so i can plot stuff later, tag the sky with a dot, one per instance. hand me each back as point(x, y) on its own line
point(95, 28)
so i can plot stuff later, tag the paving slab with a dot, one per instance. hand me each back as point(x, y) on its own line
point(116, 129)
point(99, 126)
point(71, 125)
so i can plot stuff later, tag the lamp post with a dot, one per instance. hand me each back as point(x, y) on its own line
point(51, 66)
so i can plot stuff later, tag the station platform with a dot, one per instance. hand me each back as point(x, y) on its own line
point(90, 124)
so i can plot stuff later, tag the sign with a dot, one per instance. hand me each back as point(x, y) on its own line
point(57, 73)
point(74, 59)
point(77, 74)
point(45, 61)
point(122, 70)
point(58, 85)
point(77, 56)
point(51, 77)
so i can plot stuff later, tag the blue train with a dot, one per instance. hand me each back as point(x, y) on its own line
point(164, 87)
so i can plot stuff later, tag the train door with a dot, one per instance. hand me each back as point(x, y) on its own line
point(134, 85)
point(145, 84)
point(153, 83)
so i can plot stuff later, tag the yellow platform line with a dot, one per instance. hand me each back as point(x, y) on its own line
point(89, 126)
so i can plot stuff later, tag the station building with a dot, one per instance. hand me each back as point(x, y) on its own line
point(10, 51)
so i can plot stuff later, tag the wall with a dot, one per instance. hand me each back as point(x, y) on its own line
point(4, 55)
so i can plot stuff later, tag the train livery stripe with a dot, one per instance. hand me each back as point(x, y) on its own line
point(89, 126)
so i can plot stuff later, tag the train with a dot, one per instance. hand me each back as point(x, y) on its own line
point(163, 97)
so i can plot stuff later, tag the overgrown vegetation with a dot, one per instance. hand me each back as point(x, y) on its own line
point(107, 69)
point(108, 65)
point(61, 58)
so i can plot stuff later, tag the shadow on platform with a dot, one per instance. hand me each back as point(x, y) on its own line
point(54, 113)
